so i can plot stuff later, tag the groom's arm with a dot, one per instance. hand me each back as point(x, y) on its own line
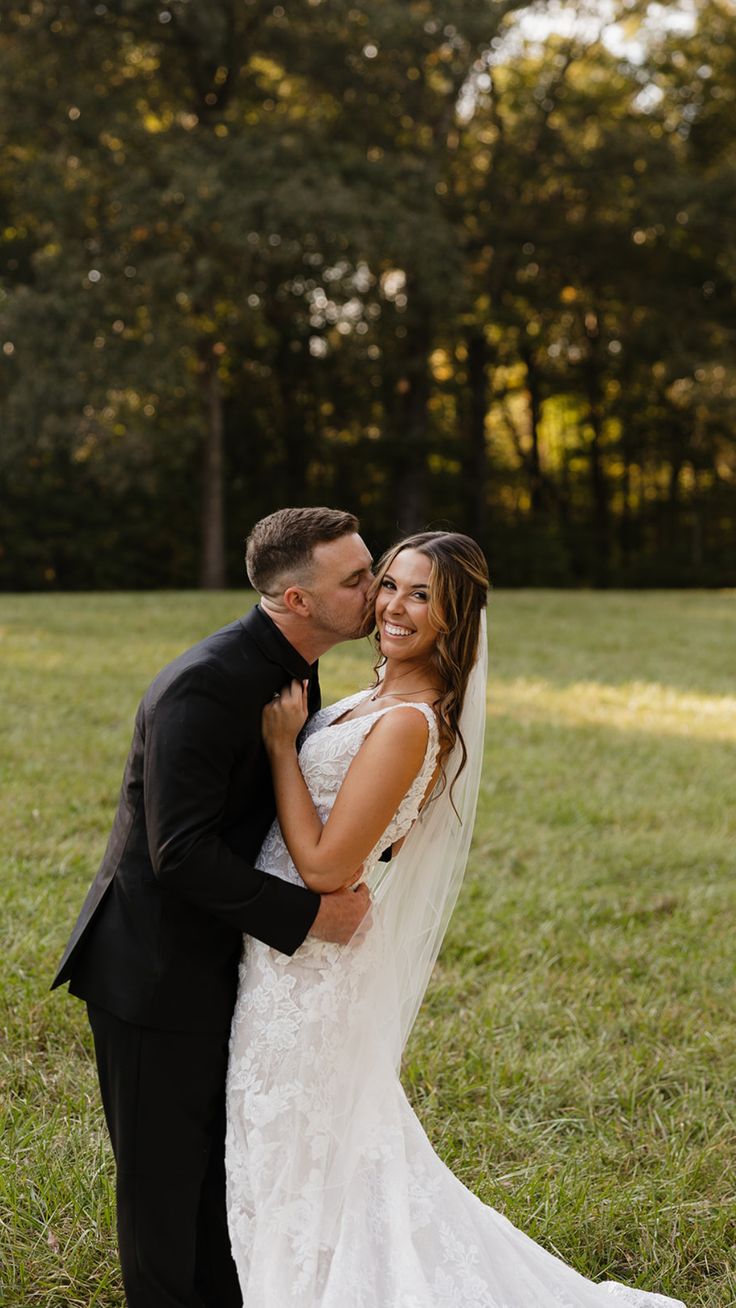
point(189, 752)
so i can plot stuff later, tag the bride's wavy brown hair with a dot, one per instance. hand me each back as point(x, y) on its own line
point(458, 592)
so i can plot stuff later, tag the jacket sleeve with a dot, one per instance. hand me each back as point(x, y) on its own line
point(189, 753)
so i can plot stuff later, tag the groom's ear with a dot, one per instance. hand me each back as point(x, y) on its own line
point(295, 601)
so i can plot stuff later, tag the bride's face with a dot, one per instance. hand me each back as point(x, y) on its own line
point(402, 608)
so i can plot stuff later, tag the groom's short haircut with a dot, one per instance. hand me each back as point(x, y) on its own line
point(278, 552)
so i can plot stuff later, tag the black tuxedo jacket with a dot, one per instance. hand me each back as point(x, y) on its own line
point(159, 936)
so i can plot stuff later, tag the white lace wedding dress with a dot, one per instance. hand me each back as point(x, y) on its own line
point(336, 1198)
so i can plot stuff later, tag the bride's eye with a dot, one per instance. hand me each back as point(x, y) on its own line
point(387, 584)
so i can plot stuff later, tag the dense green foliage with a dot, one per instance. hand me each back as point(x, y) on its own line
point(401, 255)
point(575, 1058)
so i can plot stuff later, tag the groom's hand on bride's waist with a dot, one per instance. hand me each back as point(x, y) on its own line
point(340, 914)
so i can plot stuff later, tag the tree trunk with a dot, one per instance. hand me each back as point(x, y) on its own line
point(291, 484)
point(599, 487)
point(696, 529)
point(212, 571)
point(536, 486)
point(411, 447)
point(476, 464)
point(625, 524)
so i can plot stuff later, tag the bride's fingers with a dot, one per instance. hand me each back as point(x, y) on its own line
point(298, 702)
point(292, 695)
point(287, 711)
point(283, 699)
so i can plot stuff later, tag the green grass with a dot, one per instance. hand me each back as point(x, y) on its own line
point(574, 1060)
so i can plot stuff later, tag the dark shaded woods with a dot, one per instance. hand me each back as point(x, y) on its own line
point(406, 257)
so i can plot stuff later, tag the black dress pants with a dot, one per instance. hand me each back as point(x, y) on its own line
point(164, 1099)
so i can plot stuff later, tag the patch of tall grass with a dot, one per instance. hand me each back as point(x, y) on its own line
point(574, 1059)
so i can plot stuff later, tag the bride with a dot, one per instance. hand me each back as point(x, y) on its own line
point(336, 1198)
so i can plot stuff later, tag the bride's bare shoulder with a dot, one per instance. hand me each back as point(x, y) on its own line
point(403, 725)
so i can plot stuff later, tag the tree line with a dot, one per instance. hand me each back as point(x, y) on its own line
point(418, 259)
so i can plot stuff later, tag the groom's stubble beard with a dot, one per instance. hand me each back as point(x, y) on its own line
point(335, 622)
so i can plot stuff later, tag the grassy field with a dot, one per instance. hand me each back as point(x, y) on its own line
point(575, 1058)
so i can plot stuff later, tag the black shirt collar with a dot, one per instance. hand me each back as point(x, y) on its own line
point(274, 645)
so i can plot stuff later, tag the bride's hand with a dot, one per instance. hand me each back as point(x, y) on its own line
point(284, 717)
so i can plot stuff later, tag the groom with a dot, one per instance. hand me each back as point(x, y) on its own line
point(156, 947)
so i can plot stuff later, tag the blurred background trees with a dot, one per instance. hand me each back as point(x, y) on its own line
point(440, 263)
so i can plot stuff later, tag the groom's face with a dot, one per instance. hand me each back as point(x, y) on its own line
point(339, 585)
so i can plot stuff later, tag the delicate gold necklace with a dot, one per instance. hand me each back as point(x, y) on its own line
point(397, 694)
